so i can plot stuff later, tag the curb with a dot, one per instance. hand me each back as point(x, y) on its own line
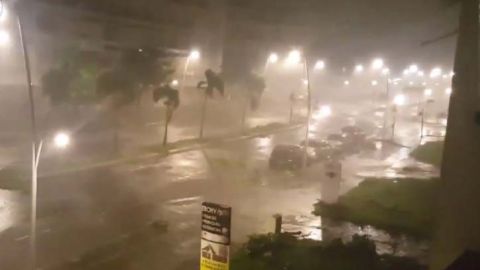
point(196, 146)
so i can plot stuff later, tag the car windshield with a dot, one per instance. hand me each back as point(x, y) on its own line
point(239, 134)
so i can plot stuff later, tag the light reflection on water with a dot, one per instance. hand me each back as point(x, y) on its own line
point(323, 229)
point(10, 210)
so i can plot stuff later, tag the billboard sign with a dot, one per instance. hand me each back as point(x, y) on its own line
point(215, 237)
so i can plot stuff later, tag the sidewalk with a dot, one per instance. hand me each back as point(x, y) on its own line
point(158, 151)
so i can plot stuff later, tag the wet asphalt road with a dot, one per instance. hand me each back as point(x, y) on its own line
point(81, 212)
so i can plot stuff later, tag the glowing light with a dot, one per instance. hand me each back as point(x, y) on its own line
point(61, 140)
point(194, 55)
point(421, 73)
point(428, 92)
point(305, 81)
point(399, 100)
point(293, 57)
point(3, 12)
point(448, 91)
point(435, 72)
point(374, 83)
point(273, 58)
point(319, 65)
point(452, 73)
point(406, 72)
point(346, 82)
point(174, 83)
point(424, 84)
point(359, 68)
point(413, 68)
point(4, 38)
point(385, 71)
point(410, 83)
point(324, 112)
point(378, 145)
point(377, 63)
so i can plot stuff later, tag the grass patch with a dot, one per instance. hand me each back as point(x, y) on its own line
point(273, 252)
point(13, 178)
point(431, 153)
point(398, 206)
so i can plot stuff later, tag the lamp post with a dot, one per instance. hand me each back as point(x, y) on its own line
point(399, 100)
point(192, 56)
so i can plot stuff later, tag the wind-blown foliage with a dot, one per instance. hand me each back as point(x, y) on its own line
point(214, 82)
point(72, 80)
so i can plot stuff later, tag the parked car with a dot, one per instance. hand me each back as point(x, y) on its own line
point(324, 149)
point(287, 157)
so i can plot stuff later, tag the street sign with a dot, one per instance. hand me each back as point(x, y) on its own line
point(215, 241)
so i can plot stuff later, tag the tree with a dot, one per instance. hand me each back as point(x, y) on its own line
point(171, 102)
point(124, 83)
point(214, 82)
point(72, 80)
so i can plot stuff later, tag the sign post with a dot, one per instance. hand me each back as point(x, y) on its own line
point(215, 241)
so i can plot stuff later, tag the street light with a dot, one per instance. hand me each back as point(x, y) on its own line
point(194, 55)
point(3, 12)
point(319, 65)
point(359, 68)
point(398, 100)
point(435, 72)
point(273, 58)
point(377, 63)
point(413, 68)
point(61, 140)
point(4, 38)
point(428, 92)
point(294, 57)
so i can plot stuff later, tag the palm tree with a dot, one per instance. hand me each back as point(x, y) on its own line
point(214, 82)
point(171, 103)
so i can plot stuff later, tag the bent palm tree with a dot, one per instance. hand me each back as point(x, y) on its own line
point(171, 103)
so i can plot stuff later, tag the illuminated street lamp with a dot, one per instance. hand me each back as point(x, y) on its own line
point(377, 63)
point(294, 57)
point(4, 38)
point(435, 72)
point(359, 68)
point(3, 12)
point(398, 100)
point(194, 55)
point(428, 92)
point(319, 65)
point(273, 58)
point(61, 140)
point(413, 68)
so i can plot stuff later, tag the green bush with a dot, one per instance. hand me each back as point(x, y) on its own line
point(431, 153)
point(399, 205)
point(273, 252)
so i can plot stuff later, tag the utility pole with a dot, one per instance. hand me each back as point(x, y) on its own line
point(309, 112)
point(36, 148)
